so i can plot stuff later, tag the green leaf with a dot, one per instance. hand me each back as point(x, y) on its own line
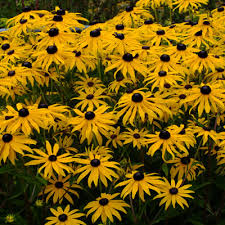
point(165, 169)
point(195, 222)
point(197, 187)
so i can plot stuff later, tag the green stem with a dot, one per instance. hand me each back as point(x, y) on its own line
point(200, 143)
point(132, 209)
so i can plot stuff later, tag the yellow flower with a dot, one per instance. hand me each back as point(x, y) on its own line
point(140, 103)
point(52, 54)
point(87, 82)
point(161, 36)
point(82, 61)
point(119, 82)
point(184, 5)
point(202, 62)
point(60, 188)
point(106, 207)
point(12, 143)
point(128, 65)
point(137, 137)
point(170, 141)
point(39, 203)
point(10, 218)
point(51, 161)
point(159, 79)
point(132, 16)
point(91, 99)
point(25, 118)
point(90, 123)
point(140, 182)
point(121, 43)
point(64, 217)
point(207, 97)
point(174, 193)
point(115, 138)
point(99, 168)
point(55, 36)
point(185, 167)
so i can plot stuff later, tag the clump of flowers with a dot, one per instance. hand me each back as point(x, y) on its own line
point(107, 119)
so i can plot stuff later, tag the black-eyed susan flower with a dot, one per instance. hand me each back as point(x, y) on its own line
point(121, 43)
point(33, 73)
point(16, 54)
point(65, 217)
point(93, 39)
point(207, 97)
point(50, 76)
point(140, 103)
point(141, 183)
point(70, 18)
point(105, 207)
point(51, 161)
point(23, 27)
point(153, 3)
point(206, 133)
point(132, 16)
point(193, 39)
point(137, 137)
point(185, 5)
point(169, 141)
point(99, 150)
point(159, 79)
point(12, 143)
point(218, 74)
point(80, 60)
point(52, 54)
point(181, 51)
point(202, 61)
point(184, 166)
point(91, 99)
point(66, 143)
point(87, 82)
point(115, 138)
point(55, 36)
point(162, 36)
point(127, 64)
point(93, 123)
point(26, 13)
point(174, 193)
point(16, 74)
point(98, 167)
point(166, 63)
point(119, 82)
point(25, 119)
point(187, 133)
point(60, 188)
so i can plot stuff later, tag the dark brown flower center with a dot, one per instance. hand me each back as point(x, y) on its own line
point(95, 162)
point(136, 136)
point(23, 112)
point(138, 176)
point(59, 184)
point(63, 217)
point(137, 97)
point(52, 158)
point(7, 138)
point(185, 160)
point(164, 134)
point(89, 115)
point(205, 90)
point(103, 201)
point(173, 191)
point(90, 96)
